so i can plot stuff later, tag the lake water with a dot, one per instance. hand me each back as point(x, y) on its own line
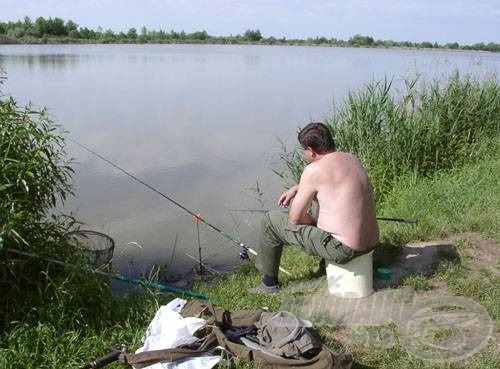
point(201, 123)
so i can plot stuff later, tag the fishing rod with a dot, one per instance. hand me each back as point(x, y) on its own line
point(117, 276)
point(245, 250)
point(401, 220)
point(390, 219)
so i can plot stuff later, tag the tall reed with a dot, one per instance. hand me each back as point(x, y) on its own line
point(419, 131)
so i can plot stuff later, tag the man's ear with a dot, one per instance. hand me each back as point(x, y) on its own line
point(313, 153)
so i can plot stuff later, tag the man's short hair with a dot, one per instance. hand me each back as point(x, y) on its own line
point(317, 136)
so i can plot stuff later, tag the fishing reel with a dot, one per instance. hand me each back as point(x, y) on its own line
point(244, 253)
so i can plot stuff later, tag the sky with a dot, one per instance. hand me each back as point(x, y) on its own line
point(442, 21)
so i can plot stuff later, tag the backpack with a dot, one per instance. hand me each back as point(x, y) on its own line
point(226, 329)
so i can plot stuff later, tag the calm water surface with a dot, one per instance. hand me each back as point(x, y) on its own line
point(199, 122)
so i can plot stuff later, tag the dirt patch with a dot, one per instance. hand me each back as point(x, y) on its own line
point(423, 258)
point(418, 259)
point(483, 251)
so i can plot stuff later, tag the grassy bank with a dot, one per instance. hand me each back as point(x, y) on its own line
point(451, 203)
point(454, 201)
point(432, 153)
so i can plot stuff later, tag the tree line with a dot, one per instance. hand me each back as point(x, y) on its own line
point(56, 30)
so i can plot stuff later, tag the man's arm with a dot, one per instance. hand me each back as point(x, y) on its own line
point(287, 196)
point(305, 194)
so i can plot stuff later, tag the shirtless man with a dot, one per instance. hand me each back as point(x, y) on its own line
point(345, 224)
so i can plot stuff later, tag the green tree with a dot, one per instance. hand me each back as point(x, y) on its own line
point(132, 33)
point(85, 33)
point(109, 33)
point(251, 35)
point(74, 34)
point(40, 27)
point(203, 35)
point(161, 35)
point(71, 26)
point(173, 35)
point(493, 47)
point(56, 27)
point(145, 34)
point(320, 40)
point(16, 32)
point(360, 40)
point(28, 26)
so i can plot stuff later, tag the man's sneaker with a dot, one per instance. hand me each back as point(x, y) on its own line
point(264, 290)
point(320, 270)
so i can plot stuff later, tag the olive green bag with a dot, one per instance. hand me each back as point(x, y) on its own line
point(212, 336)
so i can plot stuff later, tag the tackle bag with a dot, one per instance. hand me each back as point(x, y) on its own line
point(228, 330)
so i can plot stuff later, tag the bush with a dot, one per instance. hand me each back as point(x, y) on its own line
point(34, 175)
point(35, 172)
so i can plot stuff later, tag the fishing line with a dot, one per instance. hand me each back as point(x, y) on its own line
point(245, 248)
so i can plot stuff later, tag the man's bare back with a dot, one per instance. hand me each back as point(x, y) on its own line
point(340, 185)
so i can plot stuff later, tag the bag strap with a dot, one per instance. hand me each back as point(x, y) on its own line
point(203, 309)
point(147, 358)
point(216, 315)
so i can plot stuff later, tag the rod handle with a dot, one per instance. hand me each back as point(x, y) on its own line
point(103, 361)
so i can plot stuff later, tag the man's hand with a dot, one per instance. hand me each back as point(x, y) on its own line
point(287, 196)
point(303, 197)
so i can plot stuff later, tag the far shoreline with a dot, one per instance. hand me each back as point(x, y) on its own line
point(196, 42)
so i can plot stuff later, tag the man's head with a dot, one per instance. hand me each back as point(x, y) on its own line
point(317, 138)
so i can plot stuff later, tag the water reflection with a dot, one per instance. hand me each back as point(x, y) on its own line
point(47, 61)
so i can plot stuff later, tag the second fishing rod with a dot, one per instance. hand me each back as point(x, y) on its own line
point(245, 250)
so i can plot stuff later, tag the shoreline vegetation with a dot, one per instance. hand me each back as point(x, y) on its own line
point(432, 152)
point(57, 31)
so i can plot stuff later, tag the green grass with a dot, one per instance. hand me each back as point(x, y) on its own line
point(231, 291)
point(417, 282)
point(76, 326)
point(469, 279)
point(454, 201)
